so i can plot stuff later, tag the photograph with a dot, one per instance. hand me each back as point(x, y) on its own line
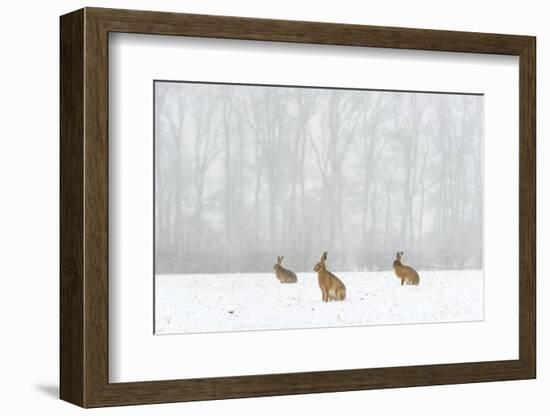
point(281, 207)
point(278, 206)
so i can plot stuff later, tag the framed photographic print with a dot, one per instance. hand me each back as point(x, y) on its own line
point(255, 207)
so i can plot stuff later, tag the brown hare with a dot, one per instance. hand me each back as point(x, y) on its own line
point(332, 288)
point(407, 274)
point(284, 275)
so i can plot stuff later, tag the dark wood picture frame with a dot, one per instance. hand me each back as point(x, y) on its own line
point(84, 207)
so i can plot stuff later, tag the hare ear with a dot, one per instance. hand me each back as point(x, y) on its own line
point(324, 257)
point(282, 257)
point(278, 259)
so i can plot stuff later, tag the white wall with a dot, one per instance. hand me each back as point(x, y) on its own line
point(29, 209)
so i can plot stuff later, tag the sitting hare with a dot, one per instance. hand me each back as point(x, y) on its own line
point(284, 275)
point(332, 288)
point(407, 274)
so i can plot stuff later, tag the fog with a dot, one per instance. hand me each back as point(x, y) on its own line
point(244, 174)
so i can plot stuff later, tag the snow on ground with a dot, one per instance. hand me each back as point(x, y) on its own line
point(232, 302)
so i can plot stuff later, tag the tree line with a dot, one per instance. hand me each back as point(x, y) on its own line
point(244, 174)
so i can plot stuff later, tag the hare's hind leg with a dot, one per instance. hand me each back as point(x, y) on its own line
point(343, 294)
point(402, 282)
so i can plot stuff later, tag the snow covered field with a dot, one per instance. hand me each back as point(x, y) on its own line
point(235, 302)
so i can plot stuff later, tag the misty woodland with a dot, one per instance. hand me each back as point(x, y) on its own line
point(247, 173)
